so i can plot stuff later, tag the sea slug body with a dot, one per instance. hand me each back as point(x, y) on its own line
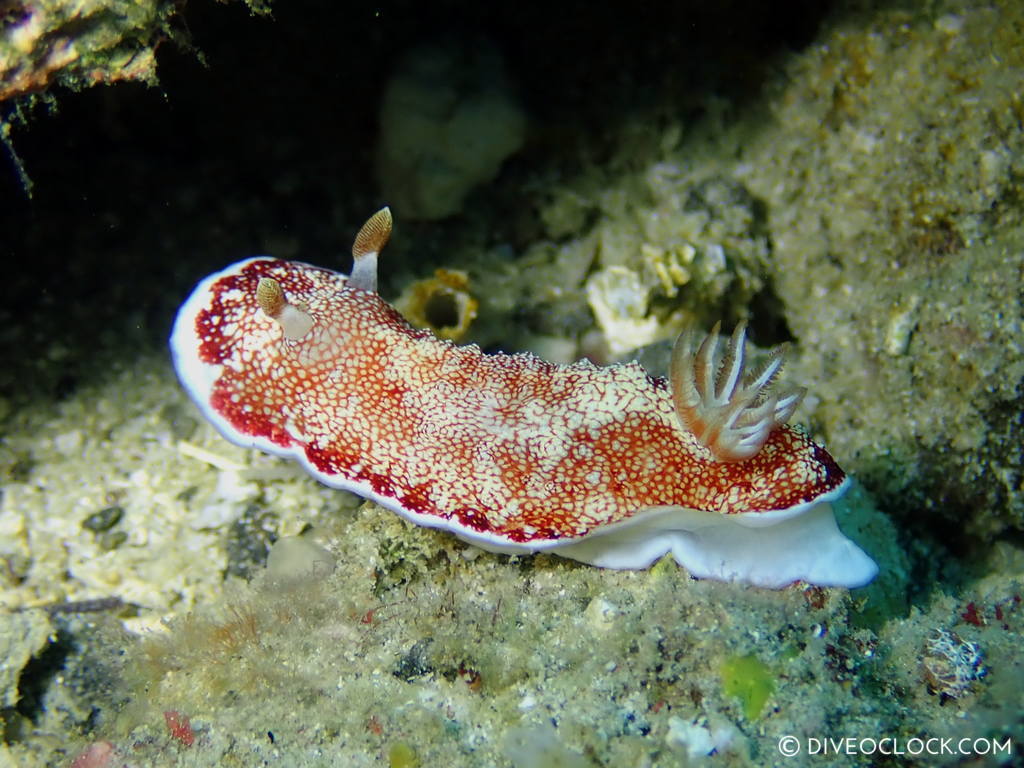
point(610, 466)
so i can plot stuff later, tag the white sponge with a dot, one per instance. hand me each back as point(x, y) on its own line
point(448, 120)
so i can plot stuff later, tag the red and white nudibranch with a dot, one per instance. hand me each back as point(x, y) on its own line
point(610, 466)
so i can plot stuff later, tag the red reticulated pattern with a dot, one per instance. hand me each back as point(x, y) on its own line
point(507, 444)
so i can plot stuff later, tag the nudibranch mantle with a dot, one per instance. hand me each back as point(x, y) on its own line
point(509, 452)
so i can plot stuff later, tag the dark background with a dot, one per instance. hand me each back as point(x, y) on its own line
point(259, 138)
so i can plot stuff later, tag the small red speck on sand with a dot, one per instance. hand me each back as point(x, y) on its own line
point(374, 726)
point(95, 756)
point(180, 727)
point(971, 615)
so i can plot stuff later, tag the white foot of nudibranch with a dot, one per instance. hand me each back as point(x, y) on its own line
point(728, 410)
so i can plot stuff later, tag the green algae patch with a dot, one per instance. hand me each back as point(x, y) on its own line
point(748, 679)
point(790, 652)
point(401, 755)
point(665, 568)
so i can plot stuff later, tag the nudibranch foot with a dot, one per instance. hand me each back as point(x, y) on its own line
point(801, 545)
point(730, 412)
point(610, 466)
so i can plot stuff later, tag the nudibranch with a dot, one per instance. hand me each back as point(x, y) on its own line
point(607, 465)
